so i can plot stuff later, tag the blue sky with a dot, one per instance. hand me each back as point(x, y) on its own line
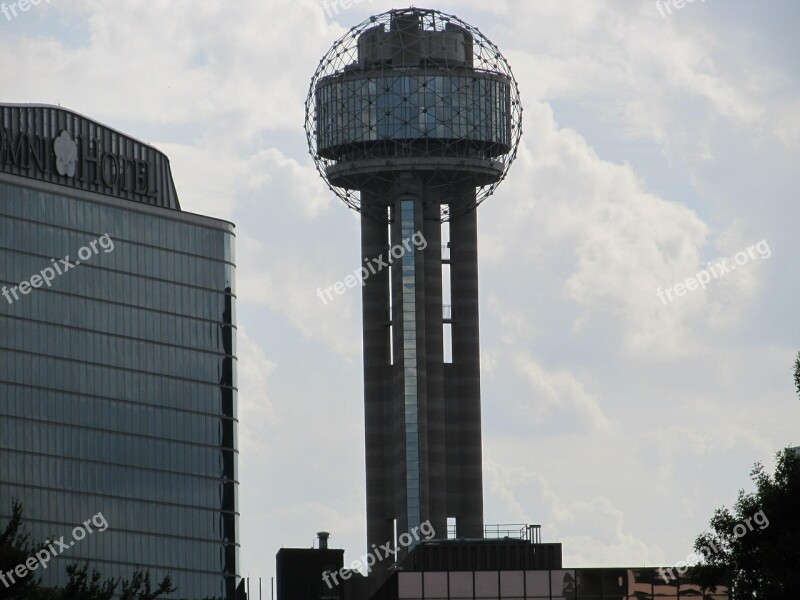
point(652, 146)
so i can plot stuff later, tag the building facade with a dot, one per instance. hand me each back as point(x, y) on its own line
point(117, 357)
point(503, 567)
point(552, 584)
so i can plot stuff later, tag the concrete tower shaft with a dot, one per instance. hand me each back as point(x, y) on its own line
point(417, 113)
point(423, 420)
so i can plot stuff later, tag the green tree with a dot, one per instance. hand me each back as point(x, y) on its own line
point(797, 374)
point(15, 549)
point(757, 544)
point(83, 586)
point(139, 588)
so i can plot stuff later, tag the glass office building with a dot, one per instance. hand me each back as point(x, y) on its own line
point(117, 358)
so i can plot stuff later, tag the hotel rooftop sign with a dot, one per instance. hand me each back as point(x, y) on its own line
point(58, 146)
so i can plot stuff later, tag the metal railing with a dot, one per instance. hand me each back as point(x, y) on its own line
point(514, 531)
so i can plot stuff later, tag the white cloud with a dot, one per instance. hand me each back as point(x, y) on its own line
point(559, 392)
point(591, 530)
point(255, 406)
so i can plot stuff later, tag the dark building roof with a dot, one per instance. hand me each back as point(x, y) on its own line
point(60, 146)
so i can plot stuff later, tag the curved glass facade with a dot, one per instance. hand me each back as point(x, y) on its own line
point(118, 388)
point(444, 114)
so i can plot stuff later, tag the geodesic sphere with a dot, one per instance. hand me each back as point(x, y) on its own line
point(414, 90)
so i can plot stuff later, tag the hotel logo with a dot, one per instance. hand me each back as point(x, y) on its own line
point(66, 152)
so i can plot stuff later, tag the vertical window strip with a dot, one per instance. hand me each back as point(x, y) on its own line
point(409, 279)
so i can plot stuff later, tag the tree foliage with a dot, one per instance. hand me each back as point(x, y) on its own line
point(16, 549)
point(757, 544)
point(139, 588)
point(85, 586)
point(81, 585)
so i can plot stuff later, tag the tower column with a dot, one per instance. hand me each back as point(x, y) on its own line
point(463, 384)
point(411, 112)
point(380, 443)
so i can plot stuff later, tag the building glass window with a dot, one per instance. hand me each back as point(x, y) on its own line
point(409, 333)
point(112, 379)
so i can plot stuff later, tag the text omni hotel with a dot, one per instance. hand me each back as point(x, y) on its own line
point(80, 158)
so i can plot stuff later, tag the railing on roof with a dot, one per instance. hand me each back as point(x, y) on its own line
point(515, 531)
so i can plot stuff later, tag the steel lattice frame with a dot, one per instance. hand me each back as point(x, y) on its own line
point(487, 61)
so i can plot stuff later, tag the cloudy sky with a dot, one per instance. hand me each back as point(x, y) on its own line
point(653, 146)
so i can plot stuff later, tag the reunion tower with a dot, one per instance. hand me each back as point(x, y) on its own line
point(413, 118)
